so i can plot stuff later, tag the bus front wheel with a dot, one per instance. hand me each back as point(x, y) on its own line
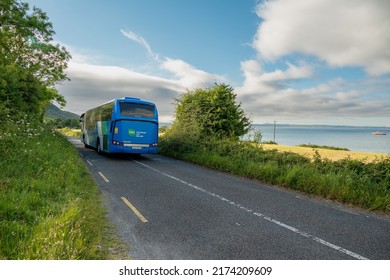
point(99, 149)
point(85, 144)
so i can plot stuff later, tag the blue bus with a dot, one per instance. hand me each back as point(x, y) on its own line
point(123, 125)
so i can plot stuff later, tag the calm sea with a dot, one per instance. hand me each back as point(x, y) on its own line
point(350, 137)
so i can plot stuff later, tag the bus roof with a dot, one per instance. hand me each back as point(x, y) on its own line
point(133, 99)
point(125, 99)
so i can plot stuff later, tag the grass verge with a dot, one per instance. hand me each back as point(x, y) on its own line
point(50, 207)
point(359, 183)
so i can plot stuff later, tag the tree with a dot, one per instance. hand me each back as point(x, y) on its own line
point(211, 111)
point(30, 64)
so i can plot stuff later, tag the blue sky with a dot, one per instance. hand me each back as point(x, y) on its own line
point(290, 61)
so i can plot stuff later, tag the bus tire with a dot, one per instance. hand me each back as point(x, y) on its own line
point(85, 144)
point(99, 149)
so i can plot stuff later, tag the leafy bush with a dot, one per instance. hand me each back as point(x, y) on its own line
point(212, 111)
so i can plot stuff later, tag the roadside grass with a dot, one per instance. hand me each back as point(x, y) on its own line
point(72, 132)
point(50, 207)
point(351, 181)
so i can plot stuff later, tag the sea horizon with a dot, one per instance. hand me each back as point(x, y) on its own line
point(351, 137)
point(317, 125)
point(354, 138)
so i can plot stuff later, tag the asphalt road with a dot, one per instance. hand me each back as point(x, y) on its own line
point(170, 209)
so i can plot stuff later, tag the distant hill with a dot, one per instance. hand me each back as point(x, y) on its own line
point(52, 111)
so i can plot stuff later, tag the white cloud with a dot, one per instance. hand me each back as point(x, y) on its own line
point(263, 94)
point(188, 76)
point(80, 55)
point(141, 41)
point(93, 84)
point(259, 82)
point(342, 32)
point(268, 94)
point(320, 102)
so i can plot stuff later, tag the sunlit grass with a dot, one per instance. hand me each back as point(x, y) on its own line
point(333, 155)
point(70, 132)
point(50, 207)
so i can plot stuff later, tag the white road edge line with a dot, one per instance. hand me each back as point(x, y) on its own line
point(104, 177)
point(90, 163)
point(293, 229)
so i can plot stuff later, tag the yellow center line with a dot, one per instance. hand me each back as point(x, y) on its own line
point(139, 215)
point(104, 177)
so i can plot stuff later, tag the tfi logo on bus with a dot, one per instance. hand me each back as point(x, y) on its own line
point(131, 132)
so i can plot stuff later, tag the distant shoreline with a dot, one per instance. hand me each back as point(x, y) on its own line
point(323, 125)
point(354, 138)
point(168, 124)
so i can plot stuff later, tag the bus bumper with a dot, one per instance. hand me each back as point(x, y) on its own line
point(134, 149)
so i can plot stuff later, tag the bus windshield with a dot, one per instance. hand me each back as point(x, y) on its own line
point(136, 110)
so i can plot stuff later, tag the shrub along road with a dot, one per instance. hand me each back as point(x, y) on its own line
point(169, 209)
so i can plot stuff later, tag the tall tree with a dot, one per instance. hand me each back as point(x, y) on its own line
point(30, 63)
